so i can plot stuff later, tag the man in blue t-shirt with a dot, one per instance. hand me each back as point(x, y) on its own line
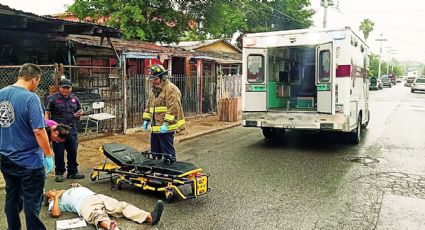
point(24, 148)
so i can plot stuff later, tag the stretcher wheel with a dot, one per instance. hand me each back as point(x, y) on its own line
point(93, 175)
point(170, 194)
point(119, 185)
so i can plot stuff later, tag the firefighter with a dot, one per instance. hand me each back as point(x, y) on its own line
point(164, 113)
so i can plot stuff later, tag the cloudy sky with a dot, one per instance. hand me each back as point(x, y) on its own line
point(402, 23)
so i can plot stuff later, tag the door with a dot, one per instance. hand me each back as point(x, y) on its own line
point(324, 79)
point(254, 90)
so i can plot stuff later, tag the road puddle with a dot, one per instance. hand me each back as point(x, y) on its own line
point(363, 160)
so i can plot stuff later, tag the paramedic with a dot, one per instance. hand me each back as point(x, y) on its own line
point(24, 148)
point(65, 108)
point(164, 112)
point(95, 208)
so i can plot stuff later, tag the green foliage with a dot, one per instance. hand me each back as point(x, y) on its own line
point(366, 26)
point(393, 67)
point(173, 20)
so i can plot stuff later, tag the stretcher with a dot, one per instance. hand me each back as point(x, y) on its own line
point(146, 171)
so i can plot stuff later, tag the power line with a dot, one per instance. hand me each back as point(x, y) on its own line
point(273, 15)
point(286, 15)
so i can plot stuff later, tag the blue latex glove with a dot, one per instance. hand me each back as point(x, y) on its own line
point(145, 125)
point(48, 164)
point(164, 128)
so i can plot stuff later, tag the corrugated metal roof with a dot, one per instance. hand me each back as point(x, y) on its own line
point(120, 44)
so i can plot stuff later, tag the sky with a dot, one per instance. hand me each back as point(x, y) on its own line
point(402, 23)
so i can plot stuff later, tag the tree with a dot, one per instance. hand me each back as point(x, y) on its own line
point(173, 20)
point(366, 26)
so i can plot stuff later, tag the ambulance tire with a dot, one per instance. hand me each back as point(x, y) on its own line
point(367, 122)
point(273, 133)
point(354, 136)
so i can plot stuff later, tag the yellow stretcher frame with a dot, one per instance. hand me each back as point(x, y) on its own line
point(119, 176)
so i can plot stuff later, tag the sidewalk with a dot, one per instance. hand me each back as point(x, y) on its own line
point(89, 155)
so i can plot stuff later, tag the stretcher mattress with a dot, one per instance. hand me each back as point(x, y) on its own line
point(124, 155)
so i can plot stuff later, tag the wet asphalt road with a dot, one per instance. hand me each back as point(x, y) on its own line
point(302, 182)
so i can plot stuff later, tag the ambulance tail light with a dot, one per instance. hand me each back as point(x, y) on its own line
point(343, 71)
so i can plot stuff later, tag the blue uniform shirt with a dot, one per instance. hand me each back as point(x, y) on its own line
point(62, 108)
point(20, 112)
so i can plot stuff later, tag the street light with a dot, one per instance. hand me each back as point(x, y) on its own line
point(380, 53)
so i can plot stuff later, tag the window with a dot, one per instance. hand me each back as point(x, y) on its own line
point(255, 73)
point(229, 69)
point(324, 66)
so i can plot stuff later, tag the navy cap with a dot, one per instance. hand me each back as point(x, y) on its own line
point(65, 82)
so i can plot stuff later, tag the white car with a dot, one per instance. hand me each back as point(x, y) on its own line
point(418, 85)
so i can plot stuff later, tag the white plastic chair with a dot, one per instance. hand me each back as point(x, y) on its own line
point(100, 116)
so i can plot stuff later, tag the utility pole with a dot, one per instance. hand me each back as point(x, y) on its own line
point(380, 53)
point(326, 4)
point(325, 13)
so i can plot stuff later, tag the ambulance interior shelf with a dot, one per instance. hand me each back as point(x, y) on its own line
point(291, 85)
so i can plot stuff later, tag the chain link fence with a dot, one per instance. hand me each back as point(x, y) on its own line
point(9, 75)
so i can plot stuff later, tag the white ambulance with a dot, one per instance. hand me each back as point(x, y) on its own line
point(306, 80)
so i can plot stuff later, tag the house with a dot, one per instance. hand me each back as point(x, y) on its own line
point(209, 57)
point(27, 37)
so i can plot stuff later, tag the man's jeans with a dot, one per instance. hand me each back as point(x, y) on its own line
point(24, 189)
point(71, 147)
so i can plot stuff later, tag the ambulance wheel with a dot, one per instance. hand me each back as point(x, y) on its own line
point(273, 133)
point(170, 195)
point(367, 122)
point(93, 176)
point(355, 135)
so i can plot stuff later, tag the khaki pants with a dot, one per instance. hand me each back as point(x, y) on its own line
point(96, 208)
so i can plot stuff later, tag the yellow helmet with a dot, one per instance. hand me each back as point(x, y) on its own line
point(157, 70)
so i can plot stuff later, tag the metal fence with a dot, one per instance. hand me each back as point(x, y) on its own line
point(105, 84)
point(191, 88)
point(98, 84)
point(229, 86)
point(9, 75)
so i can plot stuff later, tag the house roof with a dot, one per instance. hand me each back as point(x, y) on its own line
point(24, 21)
point(194, 45)
point(120, 44)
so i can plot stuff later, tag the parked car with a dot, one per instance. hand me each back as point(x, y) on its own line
point(398, 80)
point(409, 81)
point(375, 83)
point(418, 85)
point(386, 81)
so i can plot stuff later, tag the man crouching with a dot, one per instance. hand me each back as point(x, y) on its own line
point(95, 208)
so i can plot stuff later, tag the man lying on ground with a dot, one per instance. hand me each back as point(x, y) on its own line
point(95, 208)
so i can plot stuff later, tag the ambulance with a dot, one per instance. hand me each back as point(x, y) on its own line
point(306, 80)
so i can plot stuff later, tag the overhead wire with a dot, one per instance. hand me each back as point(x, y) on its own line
point(286, 17)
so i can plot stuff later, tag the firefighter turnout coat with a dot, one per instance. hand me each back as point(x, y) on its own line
point(164, 106)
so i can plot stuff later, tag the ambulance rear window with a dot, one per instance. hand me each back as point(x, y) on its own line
point(324, 66)
point(255, 73)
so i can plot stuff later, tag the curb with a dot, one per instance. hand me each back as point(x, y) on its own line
point(208, 132)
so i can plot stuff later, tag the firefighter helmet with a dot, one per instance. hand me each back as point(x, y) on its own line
point(157, 70)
